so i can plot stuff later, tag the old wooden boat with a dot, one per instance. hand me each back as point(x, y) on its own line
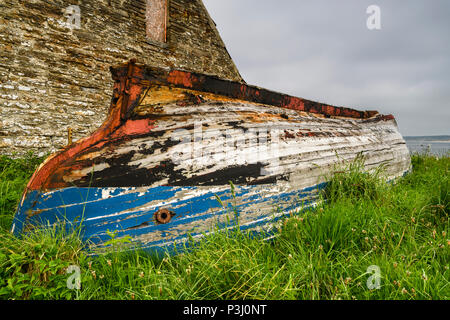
point(159, 169)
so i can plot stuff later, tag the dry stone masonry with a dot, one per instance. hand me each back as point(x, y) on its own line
point(55, 57)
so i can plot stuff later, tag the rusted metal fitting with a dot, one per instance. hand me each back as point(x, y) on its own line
point(163, 216)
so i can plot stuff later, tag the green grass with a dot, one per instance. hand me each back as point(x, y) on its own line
point(14, 175)
point(324, 253)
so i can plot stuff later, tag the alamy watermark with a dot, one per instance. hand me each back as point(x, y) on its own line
point(74, 280)
point(374, 19)
point(374, 281)
point(73, 15)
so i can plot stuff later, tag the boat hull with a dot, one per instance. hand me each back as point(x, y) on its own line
point(172, 162)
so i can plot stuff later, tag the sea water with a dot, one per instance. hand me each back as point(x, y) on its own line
point(438, 145)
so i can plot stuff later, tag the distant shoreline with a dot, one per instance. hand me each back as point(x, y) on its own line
point(431, 141)
point(439, 145)
point(429, 138)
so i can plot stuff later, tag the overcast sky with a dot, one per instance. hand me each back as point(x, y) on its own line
point(322, 50)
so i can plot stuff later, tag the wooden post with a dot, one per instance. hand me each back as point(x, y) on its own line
point(69, 136)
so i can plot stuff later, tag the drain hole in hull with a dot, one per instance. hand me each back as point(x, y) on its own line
point(163, 216)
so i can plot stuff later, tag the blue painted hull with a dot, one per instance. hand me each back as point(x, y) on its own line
point(130, 211)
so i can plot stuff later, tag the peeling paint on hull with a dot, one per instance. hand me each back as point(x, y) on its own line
point(130, 211)
point(174, 140)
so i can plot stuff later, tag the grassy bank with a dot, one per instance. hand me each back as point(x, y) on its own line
point(399, 231)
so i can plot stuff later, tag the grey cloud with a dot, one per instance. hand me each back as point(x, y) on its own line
point(322, 50)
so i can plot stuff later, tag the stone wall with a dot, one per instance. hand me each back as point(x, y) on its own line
point(53, 77)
